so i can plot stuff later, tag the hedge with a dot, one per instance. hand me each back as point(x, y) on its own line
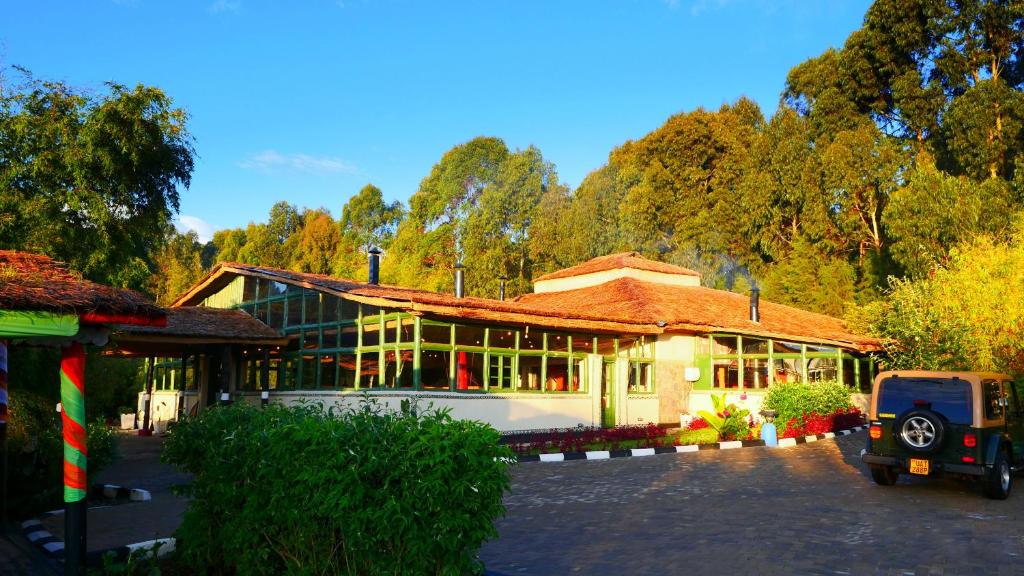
point(304, 490)
point(793, 400)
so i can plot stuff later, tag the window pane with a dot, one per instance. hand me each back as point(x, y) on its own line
point(276, 318)
point(289, 367)
point(469, 370)
point(529, 372)
point(262, 289)
point(327, 369)
point(579, 375)
point(755, 346)
point(275, 373)
point(371, 334)
point(434, 367)
point(407, 330)
point(627, 346)
point(723, 345)
point(787, 370)
point(558, 342)
point(557, 375)
point(640, 377)
point(311, 340)
point(309, 376)
point(820, 349)
point(434, 334)
point(502, 338)
point(399, 368)
point(755, 372)
point(951, 398)
point(725, 374)
point(248, 289)
point(864, 382)
point(849, 376)
point(349, 310)
point(369, 371)
point(821, 369)
point(501, 372)
point(329, 309)
point(531, 340)
point(786, 347)
point(261, 312)
point(294, 317)
point(370, 311)
point(346, 370)
point(348, 336)
point(582, 343)
point(390, 331)
point(312, 309)
point(471, 335)
point(329, 336)
point(992, 392)
point(277, 289)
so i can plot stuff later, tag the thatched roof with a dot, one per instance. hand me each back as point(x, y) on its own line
point(616, 261)
point(192, 328)
point(38, 283)
point(624, 306)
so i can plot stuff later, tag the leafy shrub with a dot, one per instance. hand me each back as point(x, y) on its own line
point(35, 453)
point(814, 423)
point(303, 490)
point(793, 400)
point(583, 438)
point(728, 420)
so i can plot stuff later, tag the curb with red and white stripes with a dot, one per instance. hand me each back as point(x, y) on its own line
point(634, 452)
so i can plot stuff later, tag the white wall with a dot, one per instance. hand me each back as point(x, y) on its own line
point(595, 278)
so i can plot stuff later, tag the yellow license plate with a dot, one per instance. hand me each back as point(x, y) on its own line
point(919, 466)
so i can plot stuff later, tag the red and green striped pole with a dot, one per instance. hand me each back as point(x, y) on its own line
point(72, 398)
point(3, 429)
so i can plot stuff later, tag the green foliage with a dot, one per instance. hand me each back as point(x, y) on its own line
point(728, 420)
point(364, 491)
point(793, 400)
point(808, 279)
point(35, 454)
point(91, 179)
point(179, 265)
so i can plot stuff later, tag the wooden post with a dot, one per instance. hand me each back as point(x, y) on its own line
point(72, 398)
point(225, 375)
point(147, 398)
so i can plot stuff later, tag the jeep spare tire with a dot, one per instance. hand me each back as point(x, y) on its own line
point(920, 431)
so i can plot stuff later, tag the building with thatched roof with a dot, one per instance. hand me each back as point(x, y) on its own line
point(619, 339)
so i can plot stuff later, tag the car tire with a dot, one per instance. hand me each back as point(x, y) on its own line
point(920, 431)
point(999, 479)
point(884, 475)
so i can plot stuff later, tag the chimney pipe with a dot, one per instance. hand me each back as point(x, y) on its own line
point(755, 313)
point(501, 288)
point(374, 266)
point(460, 289)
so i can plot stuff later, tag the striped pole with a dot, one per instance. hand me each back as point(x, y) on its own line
point(3, 428)
point(72, 398)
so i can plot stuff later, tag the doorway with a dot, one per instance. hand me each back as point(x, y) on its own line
point(608, 394)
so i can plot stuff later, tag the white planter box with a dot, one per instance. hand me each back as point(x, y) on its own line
point(127, 421)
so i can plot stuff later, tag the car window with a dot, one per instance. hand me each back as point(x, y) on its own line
point(1015, 408)
point(992, 393)
point(949, 397)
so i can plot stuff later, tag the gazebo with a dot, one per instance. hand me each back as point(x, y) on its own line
point(42, 303)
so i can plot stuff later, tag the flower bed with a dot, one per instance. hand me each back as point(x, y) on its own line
point(585, 439)
point(814, 423)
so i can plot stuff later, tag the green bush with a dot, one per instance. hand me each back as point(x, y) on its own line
point(35, 454)
point(303, 490)
point(795, 400)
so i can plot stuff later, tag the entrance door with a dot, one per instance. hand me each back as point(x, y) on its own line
point(608, 394)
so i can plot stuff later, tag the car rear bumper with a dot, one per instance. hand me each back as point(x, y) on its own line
point(936, 467)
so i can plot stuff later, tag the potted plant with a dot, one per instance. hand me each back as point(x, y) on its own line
point(127, 417)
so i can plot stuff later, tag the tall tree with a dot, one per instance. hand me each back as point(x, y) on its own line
point(318, 244)
point(178, 266)
point(91, 179)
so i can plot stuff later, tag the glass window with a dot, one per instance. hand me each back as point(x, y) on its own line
point(864, 382)
point(471, 335)
point(755, 372)
point(469, 370)
point(812, 349)
point(755, 346)
point(531, 340)
point(786, 347)
point(501, 375)
point(276, 318)
point(787, 370)
point(346, 370)
point(328, 363)
point(369, 311)
point(276, 289)
point(311, 339)
point(557, 375)
point(330, 309)
point(579, 375)
point(725, 373)
point(849, 372)
point(558, 342)
point(289, 366)
point(294, 316)
point(369, 371)
point(951, 398)
point(261, 312)
point(434, 366)
point(312, 308)
point(390, 331)
point(329, 336)
point(348, 336)
point(582, 343)
point(436, 334)
point(371, 334)
point(398, 369)
point(274, 373)
point(640, 377)
point(309, 376)
point(821, 369)
point(407, 330)
point(529, 372)
point(724, 345)
point(349, 310)
point(502, 338)
point(262, 289)
point(992, 394)
point(248, 289)
point(627, 346)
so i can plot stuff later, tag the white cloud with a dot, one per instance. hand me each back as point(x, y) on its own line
point(201, 227)
point(270, 160)
point(221, 6)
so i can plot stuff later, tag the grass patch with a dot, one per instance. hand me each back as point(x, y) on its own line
point(702, 436)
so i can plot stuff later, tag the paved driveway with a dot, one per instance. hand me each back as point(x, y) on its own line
point(811, 509)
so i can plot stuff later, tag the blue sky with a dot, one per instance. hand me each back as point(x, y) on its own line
point(309, 101)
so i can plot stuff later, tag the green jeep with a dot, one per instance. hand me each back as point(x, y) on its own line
point(966, 424)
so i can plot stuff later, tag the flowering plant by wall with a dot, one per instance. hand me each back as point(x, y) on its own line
point(729, 420)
